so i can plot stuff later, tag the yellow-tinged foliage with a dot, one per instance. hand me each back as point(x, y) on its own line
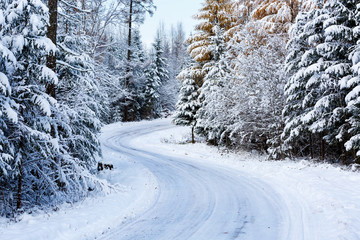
point(275, 16)
point(213, 13)
point(240, 18)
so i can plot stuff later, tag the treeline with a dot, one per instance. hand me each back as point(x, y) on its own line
point(278, 76)
point(66, 68)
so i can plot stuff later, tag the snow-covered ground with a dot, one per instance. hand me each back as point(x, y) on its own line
point(170, 190)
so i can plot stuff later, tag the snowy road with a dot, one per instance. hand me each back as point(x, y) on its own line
point(173, 191)
point(199, 201)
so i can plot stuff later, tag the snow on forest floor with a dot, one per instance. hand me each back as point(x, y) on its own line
point(331, 195)
point(325, 199)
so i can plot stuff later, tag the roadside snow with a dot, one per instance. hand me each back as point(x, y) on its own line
point(95, 215)
point(322, 198)
point(329, 196)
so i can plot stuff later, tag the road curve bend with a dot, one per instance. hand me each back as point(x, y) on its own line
point(198, 201)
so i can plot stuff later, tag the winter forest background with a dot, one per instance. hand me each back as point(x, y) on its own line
point(277, 76)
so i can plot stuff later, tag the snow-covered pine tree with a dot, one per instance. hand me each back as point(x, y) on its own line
point(129, 101)
point(162, 72)
point(211, 95)
point(214, 13)
point(43, 171)
point(8, 117)
point(303, 88)
point(78, 93)
point(352, 99)
point(151, 105)
point(295, 134)
point(36, 150)
point(188, 103)
point(133, 14)
point(327, 116)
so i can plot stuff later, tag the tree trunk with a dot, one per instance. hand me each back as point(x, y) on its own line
point(127, 80)
point(311, 147)
point(51, 34)
point(20, 180)
point(322, 148)
point(192, 135)
point(19, 190)
point(129, 36)
point(280, 147)
point(83, 7)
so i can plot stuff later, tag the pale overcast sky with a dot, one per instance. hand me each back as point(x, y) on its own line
point(170, 12)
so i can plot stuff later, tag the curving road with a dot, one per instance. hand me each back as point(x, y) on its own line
point(199, 201)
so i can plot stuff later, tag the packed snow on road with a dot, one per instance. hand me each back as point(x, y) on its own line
point(168, 189)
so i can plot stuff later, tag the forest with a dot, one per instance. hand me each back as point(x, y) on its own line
point(277, 76)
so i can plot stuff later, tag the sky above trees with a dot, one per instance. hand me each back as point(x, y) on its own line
point(170, 12)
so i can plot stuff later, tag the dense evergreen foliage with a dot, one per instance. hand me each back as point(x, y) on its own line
point(301, 100)
point(277, 76)
point(51, 112)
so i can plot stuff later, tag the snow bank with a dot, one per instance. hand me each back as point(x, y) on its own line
point(323, 198)
point(329, 197)
point(95, 215)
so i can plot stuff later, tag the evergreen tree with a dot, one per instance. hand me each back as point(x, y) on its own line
point(214, 14)
point(188, 103)
point(78, 92)
point(133, 13)
point(353, 96)
point(295, 133)
point(43, 171)
point(151, 93)
point(211, 92)
point(305, 69)
point(25, 36)
point(327, 116)
point(162, 72)
point(8, 117)
point(319, 65)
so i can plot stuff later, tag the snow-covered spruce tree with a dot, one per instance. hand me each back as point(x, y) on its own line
point(328, 114)
point(295, 134)
point(78, 92)
point(128, 102)
point(44, 172)
point(303, 85)
point(8, 117)
point(188, 103)
point(78, 89)
point(37, 172)
point(352, 85)
point(133, 14)
point(151, 105)
point(211, 93)
point(162, 73)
